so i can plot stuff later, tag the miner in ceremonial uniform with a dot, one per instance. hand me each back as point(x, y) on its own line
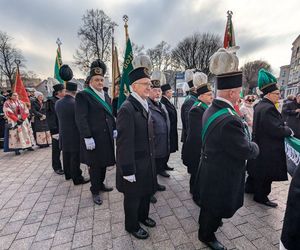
point(172, 112)
point(187, 105)
point(52, 120)
point(226, 147)
point(269, 132)
point(69, 138)
point(161, 123)
point(192, 150)
point(136, 174)
point(96, 125)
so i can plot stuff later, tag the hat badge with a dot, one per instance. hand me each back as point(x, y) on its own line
point(98, 71)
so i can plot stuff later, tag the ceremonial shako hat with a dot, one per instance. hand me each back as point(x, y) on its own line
point(230, 80)
point(138, 73)
point(65, 72)
point(71, 86)
point(204, 88)
point(165, 87)
point(156, 78)
point(188, 76)
point(266, 82)
point(58, 87)
point(98, 67)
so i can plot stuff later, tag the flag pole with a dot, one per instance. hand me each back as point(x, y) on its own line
point(125, 19)
point(17, 62)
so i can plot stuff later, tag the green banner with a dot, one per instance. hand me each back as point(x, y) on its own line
point(57, 65)
point(292, 151)
point(127, 67)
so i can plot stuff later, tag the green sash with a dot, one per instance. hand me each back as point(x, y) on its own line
point(201, 104)
point(98, 98)
point(189, 97)
point(210, 120)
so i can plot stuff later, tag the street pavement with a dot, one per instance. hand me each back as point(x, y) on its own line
point(40, 210)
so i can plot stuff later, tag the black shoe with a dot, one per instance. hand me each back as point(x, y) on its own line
point(30, 149)
point(267, 203)
point(17, 152)
point(59, 171)
point(153, 199)
point(161, 187)
point(215, 244)
point(164, 174)
point(149, 222)
point(67, 178)
point(168, 168)
point(141, 234)
point(82, 181)
point(106, 189)
point(97, 199)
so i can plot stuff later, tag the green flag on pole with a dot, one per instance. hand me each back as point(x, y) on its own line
point(127, 67)
point(58, 63)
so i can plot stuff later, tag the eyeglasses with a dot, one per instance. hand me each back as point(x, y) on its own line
point(146, 84)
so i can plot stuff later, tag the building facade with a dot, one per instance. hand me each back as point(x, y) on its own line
point(293, 84)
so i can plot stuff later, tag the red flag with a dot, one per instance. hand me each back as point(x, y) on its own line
point(229, 38)
point(20, 89)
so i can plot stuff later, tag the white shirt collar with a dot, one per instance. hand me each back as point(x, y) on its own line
point(140, 100)
point(224, 100)
point(99, 93)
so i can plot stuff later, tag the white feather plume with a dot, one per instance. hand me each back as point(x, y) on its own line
point(142, 61)
point(188, 76)
point(224, 61)
point(163, 79)
point(199, 79)
point(156, 75)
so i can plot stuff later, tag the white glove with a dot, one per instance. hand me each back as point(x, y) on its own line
point(115, 134)
point(43, 117)
point(56, 137)
point(292, 132)
point(130, 178)
point(90, 143)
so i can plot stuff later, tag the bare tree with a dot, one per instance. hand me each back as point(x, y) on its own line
point(137, 49)
point(161, 56)
point(95, 35)
point(193, 52)
point(8, 55)
point(250, 72)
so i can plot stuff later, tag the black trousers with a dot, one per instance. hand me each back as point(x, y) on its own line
point(97, 176)
point(160, 164)
point(261, 190)
point(208, 225)
point(71, 164)
point(56, 163)
point(166, 161)
point(136, 209)
point(192, 179)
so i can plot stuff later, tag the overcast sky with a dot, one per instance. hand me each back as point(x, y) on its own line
point(264, 29)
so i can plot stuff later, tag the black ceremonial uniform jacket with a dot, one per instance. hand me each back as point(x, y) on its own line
point(269, 132)
point(69, 138)
point(185, 108)
point(221, 176)
point(135, 149)
point(173, 123)
point(51, 116)
point(95, 121)
point(192, 149)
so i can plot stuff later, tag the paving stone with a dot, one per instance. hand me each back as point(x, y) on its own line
point(85, 212)
point(178, 237)
point(158, 233)
point(63, 236)
point(243, 243)
point(6, 241)
point(82, 239)
point(118, 229)
point(46, 232)
point(181, 212)
point(20, 215)
point(28, 230)
point(67, 222)
point(66, 246)
point(35, 217)
point(42, 245)
point(102, 241)
point(164, 211)
point(163, 245)
point(84, 224)
point(122, 243)
point(170, 222)
point(103, 226)
point(186, 246)
point(189, 225)
point(230, 231)
point(249, 231)
point(12, 227)
point(263, 244)
point(50, 219)
point(22, 244)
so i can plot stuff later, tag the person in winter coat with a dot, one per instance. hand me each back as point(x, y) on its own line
point(269, 132)
point(291, 111)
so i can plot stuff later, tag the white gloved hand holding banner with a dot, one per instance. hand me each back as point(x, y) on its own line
point(90, 143)
point(130, 178)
